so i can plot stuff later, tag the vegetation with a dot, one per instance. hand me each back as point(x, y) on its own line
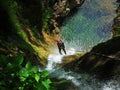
point(15, 76)
point(11, 9)
point(25, 20)
point(21, 32)
point(47, 14)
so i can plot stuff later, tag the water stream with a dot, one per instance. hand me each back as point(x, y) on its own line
point(87, 82)
point(90, 25)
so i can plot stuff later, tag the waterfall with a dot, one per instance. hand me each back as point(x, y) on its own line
point(90, 25)
point(84, 81)
point(56, 58)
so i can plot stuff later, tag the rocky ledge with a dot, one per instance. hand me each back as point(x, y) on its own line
point(61, 9)
point(103, 60)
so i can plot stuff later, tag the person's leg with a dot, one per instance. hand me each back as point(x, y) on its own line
point(63, 47)
point(64, 50)
point(60, 51)
point(59, 48)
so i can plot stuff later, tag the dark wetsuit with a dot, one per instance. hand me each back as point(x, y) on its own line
point(61, 46)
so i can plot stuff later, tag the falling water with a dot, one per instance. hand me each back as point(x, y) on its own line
point(56, 58)
point(90, 25)
point(87, 82)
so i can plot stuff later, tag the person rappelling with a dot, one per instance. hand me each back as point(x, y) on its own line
point(61, 46)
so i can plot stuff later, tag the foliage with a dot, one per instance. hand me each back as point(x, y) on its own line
point(16, 77)
point(47, 13)
point(11, 8)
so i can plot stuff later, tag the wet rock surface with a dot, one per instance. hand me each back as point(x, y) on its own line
point(61, 9)
point(103, 60)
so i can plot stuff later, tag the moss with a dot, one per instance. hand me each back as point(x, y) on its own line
point(117, 31)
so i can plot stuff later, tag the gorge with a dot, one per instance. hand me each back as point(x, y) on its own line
point(90, 30)
point(99, 68)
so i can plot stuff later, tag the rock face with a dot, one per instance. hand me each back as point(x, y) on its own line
point(103, 60)
point(61, 9)
point(118, 0)
point(116, 25)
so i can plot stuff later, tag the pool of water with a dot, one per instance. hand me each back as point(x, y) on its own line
point(90, 25)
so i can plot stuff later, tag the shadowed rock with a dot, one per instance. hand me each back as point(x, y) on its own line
point(103, 60)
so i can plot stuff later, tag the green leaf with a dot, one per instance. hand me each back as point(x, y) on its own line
point(21, 88)
point(17, 60)
point(40, 86)
point(28, 66)
point(23, 75)
point(37, 77)
point(35, 69)
point(20, 59)
point(46, 83)
point(22, 78)
point(9, 66)
point(45, 73)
